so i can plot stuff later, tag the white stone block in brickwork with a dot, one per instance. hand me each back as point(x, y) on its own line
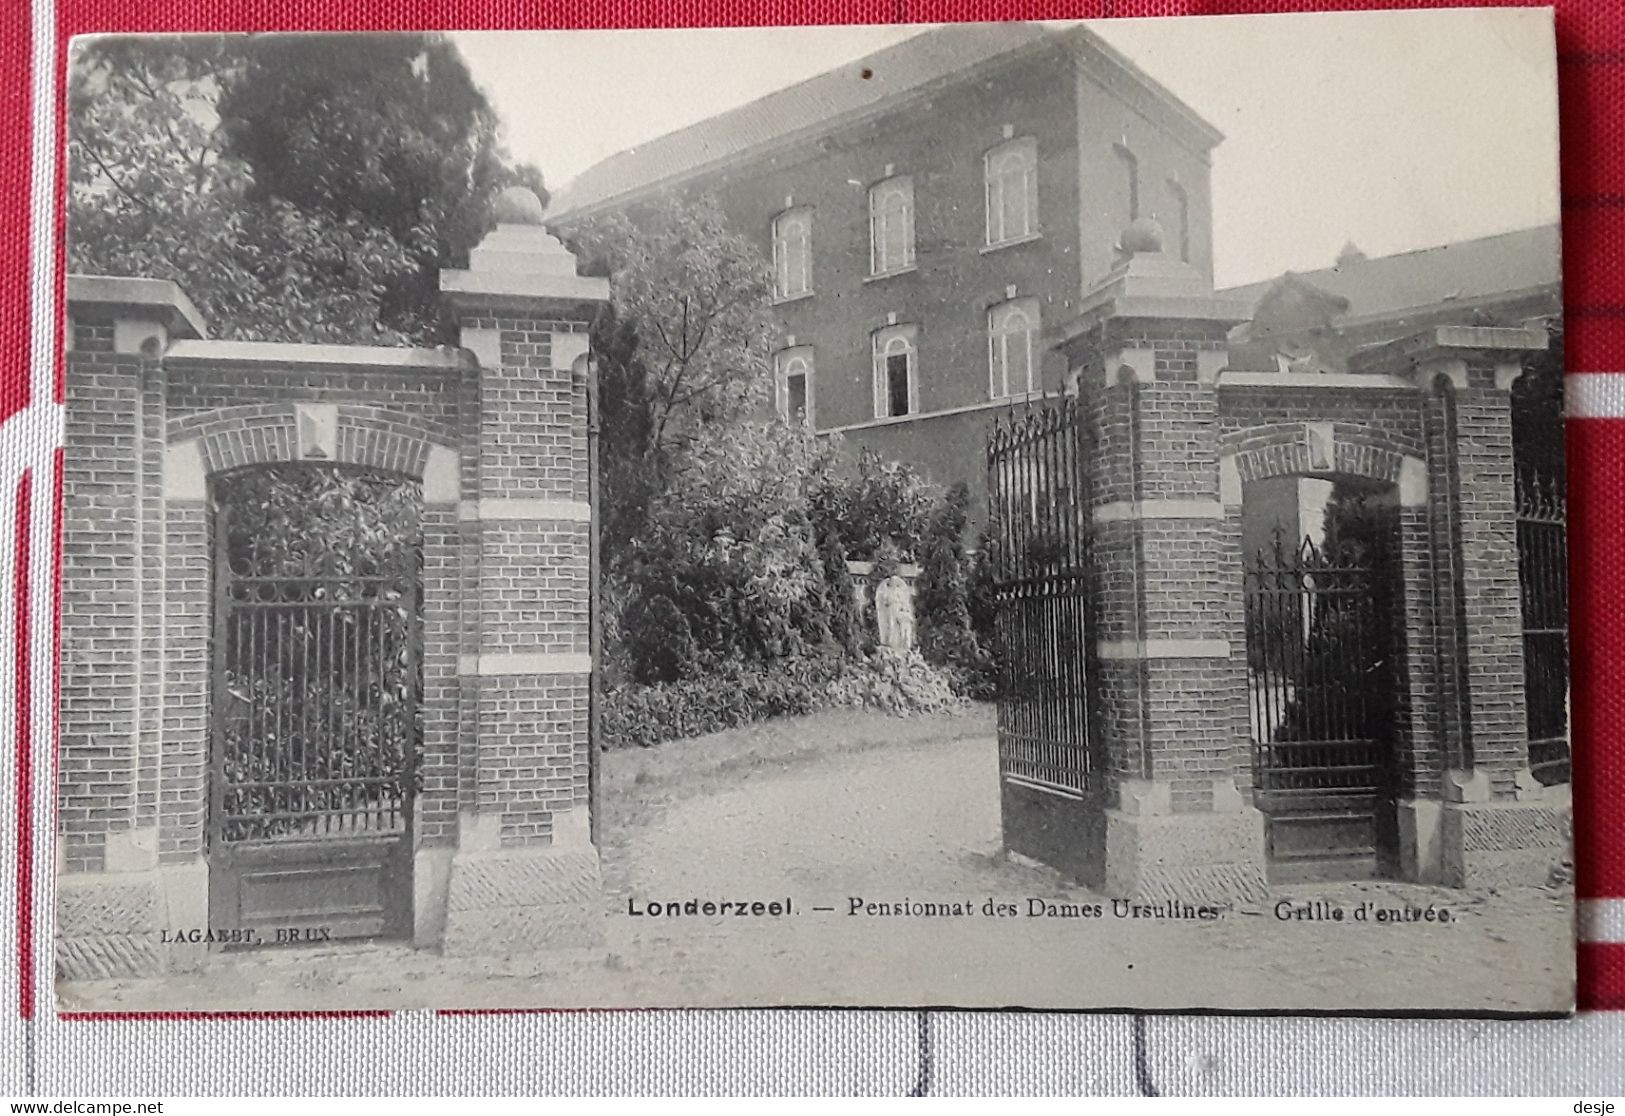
point(567, 348)
point(184, 475)
point(442, 476)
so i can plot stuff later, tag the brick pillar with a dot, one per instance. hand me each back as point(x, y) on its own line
point(112, 895)
point(1166, 566)
point(525, 873)
point(1495, 823)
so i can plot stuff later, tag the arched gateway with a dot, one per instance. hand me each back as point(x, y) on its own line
point(383, 733)
point(1299, 584)
point(316, 728)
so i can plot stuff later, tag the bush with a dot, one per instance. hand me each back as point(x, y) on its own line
point(980, 596)
point(641, 716)
point(882, 502)
point(730, 544)
point(947, 636)
point(658, 640)
point(943, 589)
point(970, 669)
point(845, 618)
point(897, 684)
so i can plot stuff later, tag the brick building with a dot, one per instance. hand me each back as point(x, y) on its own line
point(934, 212)
point(180, 808)
point(988, 213)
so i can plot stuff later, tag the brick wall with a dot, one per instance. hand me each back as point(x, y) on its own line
point(534, 587)
point(1167, 580)
point(138, 577)
point(1255, 416)
point(526, 575)
point(429, 396)
point(98, 755)
point(441, 699)
point(1494, 673)
point(1083, 208)
point(1372, 433)
point(532, 416)
point(188, 614)
point(532, 753)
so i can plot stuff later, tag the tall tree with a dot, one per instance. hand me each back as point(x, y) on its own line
point(387, 130)
point(685, 348)
point(298, 187)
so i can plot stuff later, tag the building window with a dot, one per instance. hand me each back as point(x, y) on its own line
point(1011, 171)
point(897, 390)
point(891, 225)
point(1182, 218)
point(792, 253)
point(1129, 168)
point(793, 370)
point(1012, 347)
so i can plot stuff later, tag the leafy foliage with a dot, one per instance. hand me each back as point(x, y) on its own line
point(846, 619)
point(641, 716)
point(947, 636)
point(288, 520)
point(725, 534)
point(297, 187)
point(885, 506)
point(684, 347)
point(660, 643)
point(900, 684)
point(644, 715)
point(690, 340)
point(731, 545)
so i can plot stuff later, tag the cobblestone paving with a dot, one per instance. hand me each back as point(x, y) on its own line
point(914, 822)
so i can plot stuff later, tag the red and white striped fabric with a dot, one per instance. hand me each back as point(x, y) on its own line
point(33, 41)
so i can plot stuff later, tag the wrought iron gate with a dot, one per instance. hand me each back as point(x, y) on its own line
point(1544, 583)
point(1321, 680)
point(315, 733)
point(1036, 545)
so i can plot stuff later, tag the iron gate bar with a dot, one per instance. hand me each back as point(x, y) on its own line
point(1037, 543)
point(1320, 681)
point(1543, 593)
point(322, 746)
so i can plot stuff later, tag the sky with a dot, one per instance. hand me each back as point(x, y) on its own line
point(1393, 130)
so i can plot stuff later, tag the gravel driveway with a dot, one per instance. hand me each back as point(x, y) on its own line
point(902, 822)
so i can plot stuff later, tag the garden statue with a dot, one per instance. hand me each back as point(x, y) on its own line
point(894, 613)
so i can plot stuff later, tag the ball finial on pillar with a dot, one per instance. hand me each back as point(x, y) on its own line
point(1143, 235)
point(517, 205)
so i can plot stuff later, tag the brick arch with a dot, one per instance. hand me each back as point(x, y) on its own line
point(1315, 448)
point(264, 434)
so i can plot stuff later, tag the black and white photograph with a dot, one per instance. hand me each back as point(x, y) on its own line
point(1060, 516)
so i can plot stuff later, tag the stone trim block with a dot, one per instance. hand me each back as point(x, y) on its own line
point(1158, 509)
point(1505, 844)
point(523, 900)
point(491, 508)
point(108, 924)
point(1195, 857)
point(1163, 649)
point(279, 355)
point(542, 662)
point(1343, 381)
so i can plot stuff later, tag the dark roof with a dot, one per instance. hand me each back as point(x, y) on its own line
point(823, 102)
point(1466, 272)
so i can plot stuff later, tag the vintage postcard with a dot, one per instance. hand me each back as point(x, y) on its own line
point(1059, 516)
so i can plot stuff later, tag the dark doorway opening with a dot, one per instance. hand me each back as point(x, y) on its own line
point(1321, 666)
